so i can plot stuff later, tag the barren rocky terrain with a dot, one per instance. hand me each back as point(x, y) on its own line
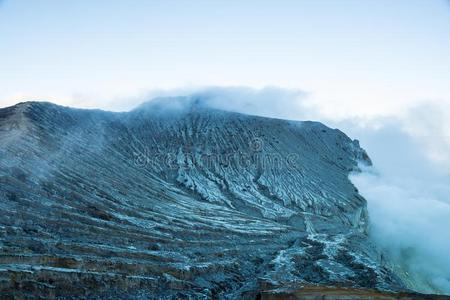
point(179, 201)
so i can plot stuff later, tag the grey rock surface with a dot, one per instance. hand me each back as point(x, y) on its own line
point(176, 200)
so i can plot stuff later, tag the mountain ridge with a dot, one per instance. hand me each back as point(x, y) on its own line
point(197, 203)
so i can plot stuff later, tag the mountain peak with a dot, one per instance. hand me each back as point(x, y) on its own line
point(174, 104)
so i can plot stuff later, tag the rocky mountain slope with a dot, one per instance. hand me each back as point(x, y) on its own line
point(175, 199)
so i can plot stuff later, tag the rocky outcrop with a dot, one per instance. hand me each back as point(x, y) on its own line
point(178, 200)
point(340, 293)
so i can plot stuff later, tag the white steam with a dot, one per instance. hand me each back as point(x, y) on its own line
point(408, 193)
point(269, 102)
point(412, 225)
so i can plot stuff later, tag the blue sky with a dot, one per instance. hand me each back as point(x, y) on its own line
point(352, 56)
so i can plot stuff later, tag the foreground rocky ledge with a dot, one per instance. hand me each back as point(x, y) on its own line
point(336, 293)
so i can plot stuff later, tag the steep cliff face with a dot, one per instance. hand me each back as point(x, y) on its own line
point(176, 199)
